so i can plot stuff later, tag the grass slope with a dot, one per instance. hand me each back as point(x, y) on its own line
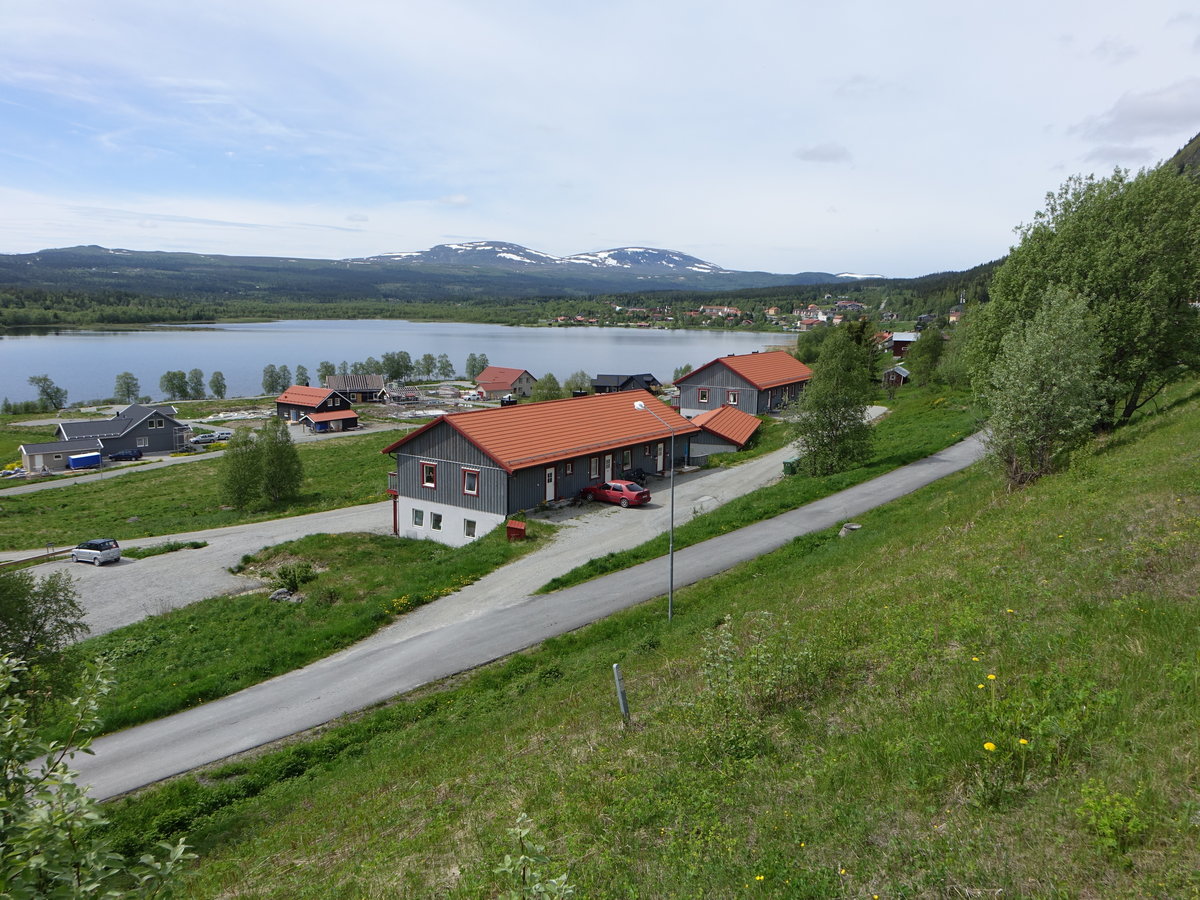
point(820, 722)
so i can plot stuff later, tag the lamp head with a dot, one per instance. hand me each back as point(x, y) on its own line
point(639, 404)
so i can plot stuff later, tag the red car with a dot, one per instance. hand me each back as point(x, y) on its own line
point(626, 493)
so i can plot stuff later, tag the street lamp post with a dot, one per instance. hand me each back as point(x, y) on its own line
point(641, 406)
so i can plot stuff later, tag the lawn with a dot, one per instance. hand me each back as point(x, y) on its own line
point(340, 472)
point(979, 693)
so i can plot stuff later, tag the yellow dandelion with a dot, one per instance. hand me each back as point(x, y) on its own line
point(991, 677)
point(841, 871)
point(1022, 741)
point(759, 877)
point(980, 685)
point(989, 746)
point(1009, 610)
point(974, 659)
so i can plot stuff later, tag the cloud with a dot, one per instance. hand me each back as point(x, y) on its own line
point(1119, 154)
point(1113, 51)
point(1161, 113)
point(828, 152)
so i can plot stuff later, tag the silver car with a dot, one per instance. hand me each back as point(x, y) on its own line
point(97, 552)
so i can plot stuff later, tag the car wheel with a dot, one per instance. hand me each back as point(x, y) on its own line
point(96, 561)
point(74, 558)
point(625, 502)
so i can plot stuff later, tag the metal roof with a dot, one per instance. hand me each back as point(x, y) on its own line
point(300, 395)
point(772, 368)
point(532, 434)
point(729, 423)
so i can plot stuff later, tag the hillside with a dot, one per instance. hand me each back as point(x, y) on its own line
point(444, 272)
point(978, 693)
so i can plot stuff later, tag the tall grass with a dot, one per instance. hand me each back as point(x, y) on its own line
point(811, 724)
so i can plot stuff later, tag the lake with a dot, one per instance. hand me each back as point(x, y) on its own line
point(86, 363)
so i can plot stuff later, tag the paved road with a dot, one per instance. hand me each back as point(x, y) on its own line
point(481, 623)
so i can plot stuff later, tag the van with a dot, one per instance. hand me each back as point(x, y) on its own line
point(97, 552)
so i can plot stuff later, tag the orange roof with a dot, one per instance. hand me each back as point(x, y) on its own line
point(304, 396)
point(729, 423)
point(330, 416)
point(532, 434)
point(498, 376)
point(763, 370)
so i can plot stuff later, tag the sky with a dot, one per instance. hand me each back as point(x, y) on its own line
point(868, 136)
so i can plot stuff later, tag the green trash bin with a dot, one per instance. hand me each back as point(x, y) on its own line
point(791, 466)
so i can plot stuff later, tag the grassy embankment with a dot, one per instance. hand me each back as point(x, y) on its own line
point(188, 656)
point(842, 736)
point(339, 472)
point(921, 421)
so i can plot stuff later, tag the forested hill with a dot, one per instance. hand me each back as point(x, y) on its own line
point(446, 272)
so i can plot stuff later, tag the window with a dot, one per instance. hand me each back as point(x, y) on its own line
point(428, 475)
point(337, 401)
point(594, 467)
point(626, 459)
point(471, 482)
point(418, 517)
point(702, 395)
point(731, 397)
point(645, 450)
point(435, 521)
point(468, 528)
point(143, 442)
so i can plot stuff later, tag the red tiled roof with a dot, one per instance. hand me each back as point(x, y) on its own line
point(500, 376)
point(729, 423)
point(331, 416)
point(763, 370)
point(532, 434)
point(304, 396)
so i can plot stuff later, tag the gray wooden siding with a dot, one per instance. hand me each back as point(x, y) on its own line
point(717, 379)
point(452, 453)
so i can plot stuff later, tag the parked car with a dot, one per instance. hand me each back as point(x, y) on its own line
point(625, 493)
point(205, 437)
point(97, 552)
point(125, 455)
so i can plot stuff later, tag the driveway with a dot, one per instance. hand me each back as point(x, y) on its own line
point(492, 618)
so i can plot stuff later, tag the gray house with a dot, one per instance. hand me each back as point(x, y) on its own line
point(609, 384)
point(463, 474)
point(151, 429)
point(756, 383)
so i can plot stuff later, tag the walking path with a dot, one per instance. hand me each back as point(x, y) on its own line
point(492, 618)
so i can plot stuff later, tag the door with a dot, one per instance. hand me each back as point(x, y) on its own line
point(608, 470)
point(660, 456)
point(549, 483)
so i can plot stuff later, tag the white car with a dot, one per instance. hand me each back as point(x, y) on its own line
point(97, 552)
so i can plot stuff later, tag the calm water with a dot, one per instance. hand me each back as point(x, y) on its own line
point(86, 363)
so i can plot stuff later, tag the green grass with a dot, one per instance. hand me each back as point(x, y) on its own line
point(170, 662)
point(342, 472)
point(159, 549)
point(12, 436)
point(921, 421)
point(829, 741)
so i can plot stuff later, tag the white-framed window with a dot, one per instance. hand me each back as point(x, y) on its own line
point(569, 468)
point(594, 467)
point(626, 459)
point(468, 528)
point(645, 450)
point(418, 517)
point(337, 401)
point(429, 475)
point(702, 395)
point(143, 442)
point(435, 521)
point(731, 397)
point(471, 482)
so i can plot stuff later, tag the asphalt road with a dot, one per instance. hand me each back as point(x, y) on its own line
point(480, 624)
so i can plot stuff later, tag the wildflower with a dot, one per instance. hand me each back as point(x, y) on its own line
point(1022, 741)
point(991, 677)
point(989, 746)
point(1008, 610)
point(974, 659)
point(980, 685)
point(759, 877)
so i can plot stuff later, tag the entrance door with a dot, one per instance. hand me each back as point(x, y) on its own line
point(549, 483)
point(608, 467)
point(660, 456)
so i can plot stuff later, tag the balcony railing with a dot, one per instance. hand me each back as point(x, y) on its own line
point(393, 487)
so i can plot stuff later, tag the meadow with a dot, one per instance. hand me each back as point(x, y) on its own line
point(980, 693)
